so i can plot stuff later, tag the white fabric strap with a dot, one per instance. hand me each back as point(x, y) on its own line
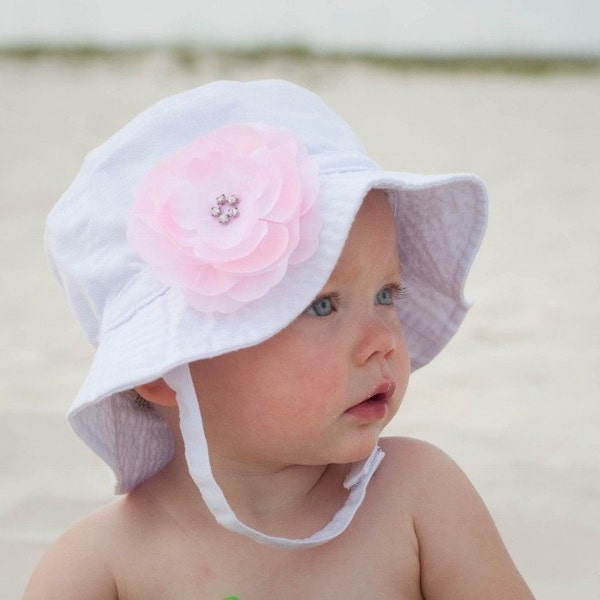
point(196, 453)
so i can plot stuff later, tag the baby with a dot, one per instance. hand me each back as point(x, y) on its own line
point(258, 291)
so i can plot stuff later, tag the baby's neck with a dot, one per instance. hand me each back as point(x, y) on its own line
point(281, 493)
point(288, 501)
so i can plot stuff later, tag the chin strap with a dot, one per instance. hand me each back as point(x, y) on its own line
point(197, 457)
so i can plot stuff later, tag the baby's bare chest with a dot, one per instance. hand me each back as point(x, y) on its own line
point(293, 583)
point(257, 573)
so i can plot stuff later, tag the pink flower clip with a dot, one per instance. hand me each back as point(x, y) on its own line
point(224, 216)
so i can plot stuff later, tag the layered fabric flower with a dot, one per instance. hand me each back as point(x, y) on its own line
point(224, 216)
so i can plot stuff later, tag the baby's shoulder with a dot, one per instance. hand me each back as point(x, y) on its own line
point(407, 448)
point(411, 460)
point(421, 474)
point(79, 562)
point(99, 553)
point(454, 531)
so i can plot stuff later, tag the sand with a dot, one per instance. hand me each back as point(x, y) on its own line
point(514, 399)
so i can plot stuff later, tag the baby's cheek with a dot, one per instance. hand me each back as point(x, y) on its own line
point(322, 376)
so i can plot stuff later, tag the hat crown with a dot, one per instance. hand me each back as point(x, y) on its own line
point(104, 279)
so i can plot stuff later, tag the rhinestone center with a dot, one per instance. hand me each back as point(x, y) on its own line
point(225, 209)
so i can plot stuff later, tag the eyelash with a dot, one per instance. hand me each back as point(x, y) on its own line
point(398, 292)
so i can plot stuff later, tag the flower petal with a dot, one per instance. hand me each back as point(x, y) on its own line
point(220, 267)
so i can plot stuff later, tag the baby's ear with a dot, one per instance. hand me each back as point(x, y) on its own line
point(157, 392)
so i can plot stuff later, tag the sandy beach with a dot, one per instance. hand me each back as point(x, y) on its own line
point(514, 399)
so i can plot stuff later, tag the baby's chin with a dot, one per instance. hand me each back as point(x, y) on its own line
point(356, 452)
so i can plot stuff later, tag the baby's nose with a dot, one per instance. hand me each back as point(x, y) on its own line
point(378, 338)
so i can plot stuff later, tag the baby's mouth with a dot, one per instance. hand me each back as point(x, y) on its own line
point(375, 407)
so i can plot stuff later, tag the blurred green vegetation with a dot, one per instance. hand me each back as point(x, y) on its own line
point(189, 56)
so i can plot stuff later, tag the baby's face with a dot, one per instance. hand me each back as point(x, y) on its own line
point(322, 389)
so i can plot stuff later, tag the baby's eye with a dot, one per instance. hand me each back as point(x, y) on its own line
point(389, 294)
point(321, 307)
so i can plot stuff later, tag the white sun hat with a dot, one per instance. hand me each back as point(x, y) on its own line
point(208, 224)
